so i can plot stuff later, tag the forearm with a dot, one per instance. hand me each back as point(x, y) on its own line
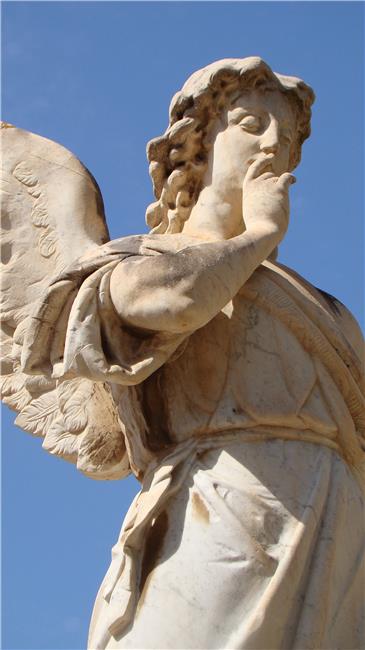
point(181, 292)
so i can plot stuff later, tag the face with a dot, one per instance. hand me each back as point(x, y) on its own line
point(260, 121)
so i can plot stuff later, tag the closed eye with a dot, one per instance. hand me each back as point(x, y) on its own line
point(250, 123)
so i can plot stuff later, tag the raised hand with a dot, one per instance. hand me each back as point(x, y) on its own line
point(265, 197)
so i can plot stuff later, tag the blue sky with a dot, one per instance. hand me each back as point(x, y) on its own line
point(98, 77)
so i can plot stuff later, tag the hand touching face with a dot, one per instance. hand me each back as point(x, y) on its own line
point(260, 122)
point(255, 133)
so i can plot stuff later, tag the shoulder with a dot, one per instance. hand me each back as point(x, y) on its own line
point(342, 316)
point(346, 321)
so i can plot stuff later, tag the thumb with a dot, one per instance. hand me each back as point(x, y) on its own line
point(285, 180)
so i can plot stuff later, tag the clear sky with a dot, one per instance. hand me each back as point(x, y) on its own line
point(98, 77)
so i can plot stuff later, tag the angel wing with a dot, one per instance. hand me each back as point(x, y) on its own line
point(51, 213)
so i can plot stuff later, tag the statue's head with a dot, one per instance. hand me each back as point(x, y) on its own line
point(179, 158)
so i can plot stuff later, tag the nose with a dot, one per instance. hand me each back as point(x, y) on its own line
point(270, 139)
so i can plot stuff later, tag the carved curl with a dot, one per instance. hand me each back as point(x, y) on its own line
point(178, 159)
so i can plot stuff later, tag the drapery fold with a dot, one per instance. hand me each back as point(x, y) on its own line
point(276, 576)
point(75, 332)
point(96, 344)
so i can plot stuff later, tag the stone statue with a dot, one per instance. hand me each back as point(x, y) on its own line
point(226, 383)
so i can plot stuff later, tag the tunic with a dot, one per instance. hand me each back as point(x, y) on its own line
point(246, 435)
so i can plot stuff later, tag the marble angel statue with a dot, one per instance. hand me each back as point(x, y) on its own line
point(230, 386)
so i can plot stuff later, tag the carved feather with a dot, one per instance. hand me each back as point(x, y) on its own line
point(51, 214)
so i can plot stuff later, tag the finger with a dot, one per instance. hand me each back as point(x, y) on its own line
point(285, 180)
point(267, 175)
point(258, 166)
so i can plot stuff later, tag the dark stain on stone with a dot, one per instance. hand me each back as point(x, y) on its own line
point(152, 549)
point(202, 454)
point(6, 253)
point(199, 508)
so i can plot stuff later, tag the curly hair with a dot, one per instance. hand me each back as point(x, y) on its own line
point(178, 159)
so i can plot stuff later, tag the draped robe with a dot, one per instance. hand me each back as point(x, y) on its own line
point(247, 437)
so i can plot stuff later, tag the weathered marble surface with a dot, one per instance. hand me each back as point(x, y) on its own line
point(232, 388)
